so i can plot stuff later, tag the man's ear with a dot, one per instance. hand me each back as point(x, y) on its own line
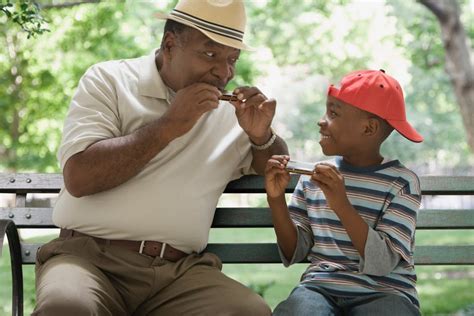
point(169, 42)
point(372, 126)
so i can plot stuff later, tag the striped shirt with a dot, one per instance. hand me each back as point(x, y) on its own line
point(387, 197)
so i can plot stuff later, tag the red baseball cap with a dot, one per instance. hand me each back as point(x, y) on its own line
point(376, 92)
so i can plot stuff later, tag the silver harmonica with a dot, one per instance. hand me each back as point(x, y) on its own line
point(300, 167)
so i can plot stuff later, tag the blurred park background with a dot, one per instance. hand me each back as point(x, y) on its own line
point(301, 47)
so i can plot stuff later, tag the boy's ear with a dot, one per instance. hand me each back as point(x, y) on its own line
point(372, 126)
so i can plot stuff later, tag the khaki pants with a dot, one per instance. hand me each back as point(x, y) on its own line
point(76, 276)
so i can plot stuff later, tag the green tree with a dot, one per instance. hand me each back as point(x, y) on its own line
point(25, 14)
point(430, 94)
point(39, 76)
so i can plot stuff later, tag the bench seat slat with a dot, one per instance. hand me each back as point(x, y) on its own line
point(268, 253)
point(29, 217)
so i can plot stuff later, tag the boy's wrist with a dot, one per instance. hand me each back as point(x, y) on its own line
point(276, 198)
point(341, 206)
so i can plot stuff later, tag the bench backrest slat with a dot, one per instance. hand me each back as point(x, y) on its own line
point(44, 182)
point(41, 217)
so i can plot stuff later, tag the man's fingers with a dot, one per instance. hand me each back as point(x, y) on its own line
point(245, 93)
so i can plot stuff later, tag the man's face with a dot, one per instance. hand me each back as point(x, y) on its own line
point(196, 58)
point(342, 129)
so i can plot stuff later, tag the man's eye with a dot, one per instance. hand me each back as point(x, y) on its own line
point(209, 54)
point(233, 60)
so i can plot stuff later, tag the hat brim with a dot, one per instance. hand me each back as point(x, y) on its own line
point(213, 36)
point(406, 130)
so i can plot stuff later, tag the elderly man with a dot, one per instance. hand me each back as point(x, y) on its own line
point(148, 149)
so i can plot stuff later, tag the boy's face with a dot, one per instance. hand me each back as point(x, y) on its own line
point(343, 129)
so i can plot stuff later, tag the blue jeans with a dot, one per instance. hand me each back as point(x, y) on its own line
point(315, 301)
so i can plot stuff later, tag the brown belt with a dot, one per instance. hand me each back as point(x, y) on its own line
point(149, 248)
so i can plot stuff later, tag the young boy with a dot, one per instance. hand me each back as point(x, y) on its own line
point(355, 219)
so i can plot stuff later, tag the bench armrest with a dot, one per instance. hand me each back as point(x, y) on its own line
point(8, 228)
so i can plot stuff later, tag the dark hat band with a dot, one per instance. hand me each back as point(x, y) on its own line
point(208, 26)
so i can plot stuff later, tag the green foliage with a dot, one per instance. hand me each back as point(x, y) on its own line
point(26, 14)
point(311, 43)
point(41, 74)
point(261, 288)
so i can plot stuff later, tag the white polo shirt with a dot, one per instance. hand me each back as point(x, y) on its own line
point(174, 197)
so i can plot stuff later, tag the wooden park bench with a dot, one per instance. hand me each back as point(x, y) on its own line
point(22, 216)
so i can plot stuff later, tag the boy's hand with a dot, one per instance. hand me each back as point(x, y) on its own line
point(331, 182)
point(276, 176)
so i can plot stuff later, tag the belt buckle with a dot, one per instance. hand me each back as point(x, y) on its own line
point(142, 245)
point(162, 251)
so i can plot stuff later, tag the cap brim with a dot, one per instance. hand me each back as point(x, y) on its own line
point(406, 130)
point(215, 37)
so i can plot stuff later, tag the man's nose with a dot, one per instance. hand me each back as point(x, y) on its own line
point(223, 70)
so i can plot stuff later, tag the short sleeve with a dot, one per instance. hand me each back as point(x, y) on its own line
point(304, 242)
point(299, 216)
point(92, 115)
point(298, 207)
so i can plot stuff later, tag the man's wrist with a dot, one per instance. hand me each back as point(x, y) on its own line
point(264, 145)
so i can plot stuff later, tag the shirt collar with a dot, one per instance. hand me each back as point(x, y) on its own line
point(150, 83)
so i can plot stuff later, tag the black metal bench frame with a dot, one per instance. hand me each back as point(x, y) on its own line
point(21, 216)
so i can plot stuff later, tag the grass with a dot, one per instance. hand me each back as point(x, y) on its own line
point(443, 290)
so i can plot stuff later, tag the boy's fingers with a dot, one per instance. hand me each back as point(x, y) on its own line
point(327, 169)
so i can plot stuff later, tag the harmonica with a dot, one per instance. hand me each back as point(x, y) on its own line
point(300, 167)
point(228, 97)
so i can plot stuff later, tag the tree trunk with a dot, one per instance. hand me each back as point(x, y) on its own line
point(458, 61)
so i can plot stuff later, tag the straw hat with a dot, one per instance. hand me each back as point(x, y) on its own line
point(223, 21)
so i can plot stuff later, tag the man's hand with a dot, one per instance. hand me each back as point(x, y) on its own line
point(331, 182)
point(189, 105)
point(255, 113)
point(276, 176)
